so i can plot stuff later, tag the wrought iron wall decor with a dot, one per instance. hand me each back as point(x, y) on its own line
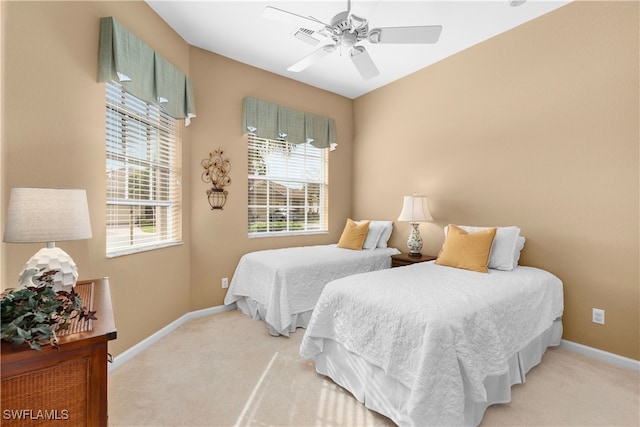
point(216, 171)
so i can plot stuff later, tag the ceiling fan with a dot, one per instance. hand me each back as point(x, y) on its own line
point(347, 30)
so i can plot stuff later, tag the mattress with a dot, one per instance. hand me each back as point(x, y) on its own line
point(282, 286)
point(429, 341)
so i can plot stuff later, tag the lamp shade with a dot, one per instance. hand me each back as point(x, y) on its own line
point(47, 215)
point(415, 209)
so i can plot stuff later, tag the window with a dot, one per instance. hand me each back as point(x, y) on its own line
point(288, 188)
point(143, 181)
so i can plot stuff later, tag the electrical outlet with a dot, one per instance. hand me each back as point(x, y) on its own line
point(225, 283)
point(597, 316)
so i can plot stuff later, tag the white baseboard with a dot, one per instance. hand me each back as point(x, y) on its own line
point(128, 354)
point(125, 356)
point(605, 356)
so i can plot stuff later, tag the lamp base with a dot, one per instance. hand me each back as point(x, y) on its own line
point(415, 241)
point(51, 258)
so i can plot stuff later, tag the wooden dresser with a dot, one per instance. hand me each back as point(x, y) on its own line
point(66, 387)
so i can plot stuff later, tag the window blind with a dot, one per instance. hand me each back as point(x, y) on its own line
point(144, 199)
point(288, 188)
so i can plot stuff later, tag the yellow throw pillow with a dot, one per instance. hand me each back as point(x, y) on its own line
point(354, 234)
point(469, 251)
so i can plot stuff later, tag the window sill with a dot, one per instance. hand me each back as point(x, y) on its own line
point(124, 252)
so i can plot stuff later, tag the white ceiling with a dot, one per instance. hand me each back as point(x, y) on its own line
point(237, 30)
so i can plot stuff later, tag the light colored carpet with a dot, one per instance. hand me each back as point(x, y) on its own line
point(226, 370)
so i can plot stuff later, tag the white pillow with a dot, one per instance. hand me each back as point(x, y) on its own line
point(516, 254)
point(504, 250)
point(386, 233)
point(373, 235)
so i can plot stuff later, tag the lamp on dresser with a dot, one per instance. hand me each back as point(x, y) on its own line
point(415, 211)
point(48, 215)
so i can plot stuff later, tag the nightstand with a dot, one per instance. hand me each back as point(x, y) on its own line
point(400, 260)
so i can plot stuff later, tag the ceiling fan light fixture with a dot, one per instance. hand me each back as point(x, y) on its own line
point(348, 39)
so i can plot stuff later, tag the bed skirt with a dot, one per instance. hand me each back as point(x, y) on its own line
point(257, 311)
point(383, 394)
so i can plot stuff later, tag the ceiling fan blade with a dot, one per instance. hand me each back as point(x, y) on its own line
point(363, 62)
point(311, 58)
point(424, 34)
point(295, 20)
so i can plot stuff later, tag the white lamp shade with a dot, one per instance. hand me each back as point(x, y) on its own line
point(415, 209)
point(47, 215)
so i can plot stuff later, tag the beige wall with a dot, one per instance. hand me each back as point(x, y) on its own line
point(219, 238)
point(53, 135)
point(538, 128)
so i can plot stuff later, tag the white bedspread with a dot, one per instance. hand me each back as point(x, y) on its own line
point(289, 281)
point(435, 328)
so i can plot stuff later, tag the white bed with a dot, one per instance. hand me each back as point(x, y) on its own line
point(433, 345)
point(281, 286)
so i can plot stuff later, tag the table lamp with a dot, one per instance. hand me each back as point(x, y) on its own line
point(415, 211)
point(48, 215)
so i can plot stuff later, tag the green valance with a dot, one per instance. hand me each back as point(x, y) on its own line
point(273, 121)
point(143, 72)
